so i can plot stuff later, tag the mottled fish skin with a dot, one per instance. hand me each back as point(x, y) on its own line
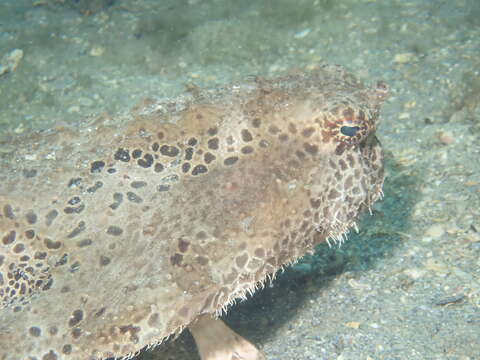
point(119, 233)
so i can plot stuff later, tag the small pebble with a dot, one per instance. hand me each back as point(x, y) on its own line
point(19, 129)
point(31, 157)
point(302, 34)
point(97, 51)
point(13, 59)
point(73, 109)
point(435, 231)
point(6, 149)
point(353, 324)
point(436, 266)
point(445, 138)
point(10, 61)
point(403, 58)
point(414, 273)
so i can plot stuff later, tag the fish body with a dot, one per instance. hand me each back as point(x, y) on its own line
point(116, 234)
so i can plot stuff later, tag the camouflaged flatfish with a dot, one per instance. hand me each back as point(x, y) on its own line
point(120, 232)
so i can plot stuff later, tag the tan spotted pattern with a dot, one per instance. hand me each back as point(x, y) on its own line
point(116, 234)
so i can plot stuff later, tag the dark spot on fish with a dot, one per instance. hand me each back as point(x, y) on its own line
point(122, 155)
point(67, 349)
point(208, 157)
point(114, 230)
point(95, 187)
point(35, 331)
point(199, 169)
point(163, 188)
point(117, 198)
point(74, 210)
point(247, 150)
point(213, 144)
point(170, 151)
point(31, 217)
point(230, 160)
point(62, 261)
point(212, 131)
point(104, 260)
point(183, 245)
point(97, 166)
point(176, 259)
point(78, 229)
point(51, 244)
point(84, 243)
point(131, 196)
point(18, 248)
point(186, 167)
point(9, 237)
point(76, 333)
point(246, 135)
point(74, 201)
point(74, 182)
point(189, 153)
point(158, 167)
point(51, 215)
point(146, 162)
point(8, 212)
point(136, 153)
point(138, 184)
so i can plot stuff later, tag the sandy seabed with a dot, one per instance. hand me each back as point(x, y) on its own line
point(407, 286)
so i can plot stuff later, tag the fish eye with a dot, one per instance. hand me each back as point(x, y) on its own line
point(349, 130)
